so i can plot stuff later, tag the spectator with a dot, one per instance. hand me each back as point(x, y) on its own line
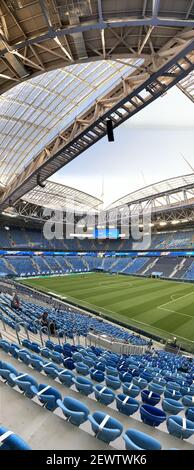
point(52, 328)
point(15, 302)
point(44, 319)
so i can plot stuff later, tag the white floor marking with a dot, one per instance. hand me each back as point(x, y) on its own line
point(162, 306)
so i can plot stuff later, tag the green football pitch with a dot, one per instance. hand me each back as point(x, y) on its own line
point(165, 308)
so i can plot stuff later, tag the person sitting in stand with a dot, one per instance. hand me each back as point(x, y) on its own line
point(15, 302)
point(44, 319)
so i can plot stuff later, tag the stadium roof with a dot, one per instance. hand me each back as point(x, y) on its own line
point(57, 196)
point(34, 112)
point(61, 57)
point(158, 192)
point(41, 35)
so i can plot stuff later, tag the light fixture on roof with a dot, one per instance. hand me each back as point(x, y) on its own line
point(40, 183)
point(109, 126)
point(175, 222)
point(162, 223)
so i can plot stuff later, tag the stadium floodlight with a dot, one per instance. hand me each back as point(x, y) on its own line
point(8, 214)
point(174, 222)
point(163, 223)
point(184, 221)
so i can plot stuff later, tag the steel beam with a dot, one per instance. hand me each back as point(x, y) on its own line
point(102, 25)
point(120, 104)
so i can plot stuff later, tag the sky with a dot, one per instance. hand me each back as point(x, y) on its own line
point(148, 148)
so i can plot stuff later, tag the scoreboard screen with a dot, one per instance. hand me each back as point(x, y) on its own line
point(111, 233)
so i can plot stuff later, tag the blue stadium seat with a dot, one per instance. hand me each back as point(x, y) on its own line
point(153, 387)
point(83, 385)
point(81, 368)
point(47, 395)
point(51, 370)
point(172, 407)
point(74, 410)
point(111, 371)
point(77, 357)
point(88, 361)
point(180, 427)
point(187, 391)
point(173, 386)
point(140, 382)
point(159, 380)
point(113, 382)
point(174, 394)
point(56, 357)
point(36, 363)
point(152, 415)
point(69, 363)
point(151, 398)
point(105, 427)
point(66, 377)
point(125, 376)
point(6, 371)
point(13, 349)
point(137, 440)
point(96, 375)
point(126, 404)
point(4, 345)
point(189, 413)
point(103, 394)
point(130, 389)
point(24, 356)
point(188, 401)
point(25, 382)
point(11, 441)
point(46, 352)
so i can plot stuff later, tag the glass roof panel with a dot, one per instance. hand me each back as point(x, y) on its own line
point(34, 112)
point(154, 189)
point(56, 195)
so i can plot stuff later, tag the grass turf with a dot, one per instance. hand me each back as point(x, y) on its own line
point(165, 308)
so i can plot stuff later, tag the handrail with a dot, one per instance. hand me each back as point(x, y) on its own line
point(17, 329)
point(3, 322)
point(42, 330)
point(63, 336)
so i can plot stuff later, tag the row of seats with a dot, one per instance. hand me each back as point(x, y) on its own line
point(68, 321)
point(17, 237)
point(103, 425)
point(25, 266)
point(125, 401)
